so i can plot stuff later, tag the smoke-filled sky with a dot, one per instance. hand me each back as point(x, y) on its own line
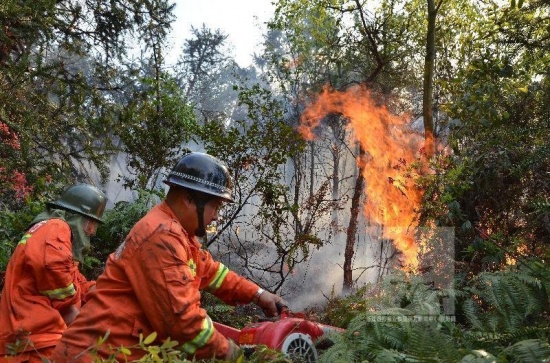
point(242, 20)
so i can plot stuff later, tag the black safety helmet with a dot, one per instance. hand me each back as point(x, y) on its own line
point(203, 173)
point(83, 199)
point(205, 177)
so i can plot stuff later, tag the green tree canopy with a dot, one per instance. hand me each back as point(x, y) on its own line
point(60, 63)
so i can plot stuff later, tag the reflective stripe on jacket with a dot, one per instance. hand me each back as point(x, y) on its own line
point(152, 283)
point(41, 280)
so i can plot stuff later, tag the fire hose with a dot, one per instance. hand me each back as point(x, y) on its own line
point(291, 333)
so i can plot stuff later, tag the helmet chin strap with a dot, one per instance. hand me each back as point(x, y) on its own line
point(201, 231)
point(200, 203)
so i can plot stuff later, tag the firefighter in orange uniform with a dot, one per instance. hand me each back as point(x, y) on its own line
point(44, 289)
point(152, 282)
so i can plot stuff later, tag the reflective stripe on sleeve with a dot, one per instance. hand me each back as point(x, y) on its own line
point(60, 294)
point(23, 240)
point(201, 339)
point(218, 278)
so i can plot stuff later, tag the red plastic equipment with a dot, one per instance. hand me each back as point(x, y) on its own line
point(291, 334)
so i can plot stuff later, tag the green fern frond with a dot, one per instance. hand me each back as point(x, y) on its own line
point(471, 312)
point(390, 335)
point(530, 332)
point(339, 353)
point(528, 351)
point(391, 356)
point(502, 301)
point(427, 343)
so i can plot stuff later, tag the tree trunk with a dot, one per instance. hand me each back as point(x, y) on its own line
point(352, 227)
point(429, 65)
point(335, 182)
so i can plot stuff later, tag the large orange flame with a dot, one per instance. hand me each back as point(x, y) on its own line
point(391, 148)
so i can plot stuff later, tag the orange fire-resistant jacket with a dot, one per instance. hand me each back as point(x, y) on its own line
point(151, 284)
point(41, 280)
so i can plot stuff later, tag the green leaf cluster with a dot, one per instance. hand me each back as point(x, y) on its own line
point(12, 226)
point(63, 84)
point(157, 123)
point(399, 321)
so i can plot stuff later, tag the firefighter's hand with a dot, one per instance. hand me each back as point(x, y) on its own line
point(268, 302)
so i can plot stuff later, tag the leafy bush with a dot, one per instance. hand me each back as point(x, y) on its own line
point(396, 290)
point(167, 351)
point(503, 302)
point(236, 317)
point(507, 315)
point(339, 311)
point(12, 226)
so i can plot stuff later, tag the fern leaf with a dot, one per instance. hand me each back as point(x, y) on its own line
point(529, 351)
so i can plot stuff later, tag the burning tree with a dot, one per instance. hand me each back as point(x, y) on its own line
point(390, 154)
